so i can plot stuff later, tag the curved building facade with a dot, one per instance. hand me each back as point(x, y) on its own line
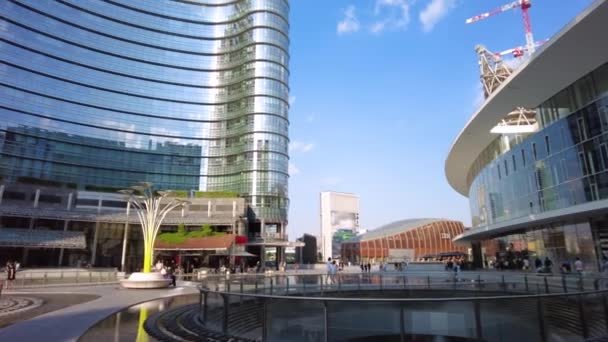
point(544, 193)
point(188, 95)
point(410, 240)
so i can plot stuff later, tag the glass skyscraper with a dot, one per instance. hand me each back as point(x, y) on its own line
point(190, 95)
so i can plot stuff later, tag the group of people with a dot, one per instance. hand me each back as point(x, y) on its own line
point(453, 265)
point(168, 272)
point(540, 266)
point(332, 270)
point(366, 267)
point(11, 269)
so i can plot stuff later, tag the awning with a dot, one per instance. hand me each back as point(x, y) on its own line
point(42, 238)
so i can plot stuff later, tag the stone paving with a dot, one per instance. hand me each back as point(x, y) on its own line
point(14, 304)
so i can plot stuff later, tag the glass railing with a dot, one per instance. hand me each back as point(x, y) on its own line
point(401, 306)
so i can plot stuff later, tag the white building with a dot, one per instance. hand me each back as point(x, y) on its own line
point(339, 221)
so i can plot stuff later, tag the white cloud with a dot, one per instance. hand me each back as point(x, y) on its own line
point(292, 100)
point(395, 15)
point(378, 27)
point(434, 12)
point(350, 23)
point(293, 170)
point(298, 146)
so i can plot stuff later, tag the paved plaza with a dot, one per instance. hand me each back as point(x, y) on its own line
point(74, 309)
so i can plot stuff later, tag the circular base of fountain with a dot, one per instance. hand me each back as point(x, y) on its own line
point(140, 280)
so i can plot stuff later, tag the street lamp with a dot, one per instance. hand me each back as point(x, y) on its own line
point(151, 208)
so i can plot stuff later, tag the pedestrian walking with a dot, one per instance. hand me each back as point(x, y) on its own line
point(526, 265)
point(578, 265)
point(10, 274)
point(369, 267)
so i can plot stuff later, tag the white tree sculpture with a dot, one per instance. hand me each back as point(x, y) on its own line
point(151, 208)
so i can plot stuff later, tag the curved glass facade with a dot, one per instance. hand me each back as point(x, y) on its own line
point(189, 95)
point(563, 164)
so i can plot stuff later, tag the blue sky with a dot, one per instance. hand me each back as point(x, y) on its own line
point(380, 89)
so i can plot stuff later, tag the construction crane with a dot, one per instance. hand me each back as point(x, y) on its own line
point(525, 6)
point(520, 50)
point(494, 72)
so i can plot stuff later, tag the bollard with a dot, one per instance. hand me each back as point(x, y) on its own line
point(546, 286)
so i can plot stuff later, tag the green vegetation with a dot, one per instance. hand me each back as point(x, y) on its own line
point(215, 194)
point(179, 193)
point(183, 234)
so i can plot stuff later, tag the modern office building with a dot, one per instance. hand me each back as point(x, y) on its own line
point(405, 240)
point(543, 192)
point(339, 221)
point(189, 95)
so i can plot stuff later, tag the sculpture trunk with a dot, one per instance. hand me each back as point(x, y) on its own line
point(147, 257)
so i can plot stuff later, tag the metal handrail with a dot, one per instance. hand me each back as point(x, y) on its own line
point(218, 315)
point(447, 279)
point(426, 299)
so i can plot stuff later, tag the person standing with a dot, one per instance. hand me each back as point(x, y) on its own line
point(172, 276)
point(578, 265)
point(369, 267)
point(10, 273)
point(526, 264)
point(538, 264)
point(548, 265)
point(329, 270)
